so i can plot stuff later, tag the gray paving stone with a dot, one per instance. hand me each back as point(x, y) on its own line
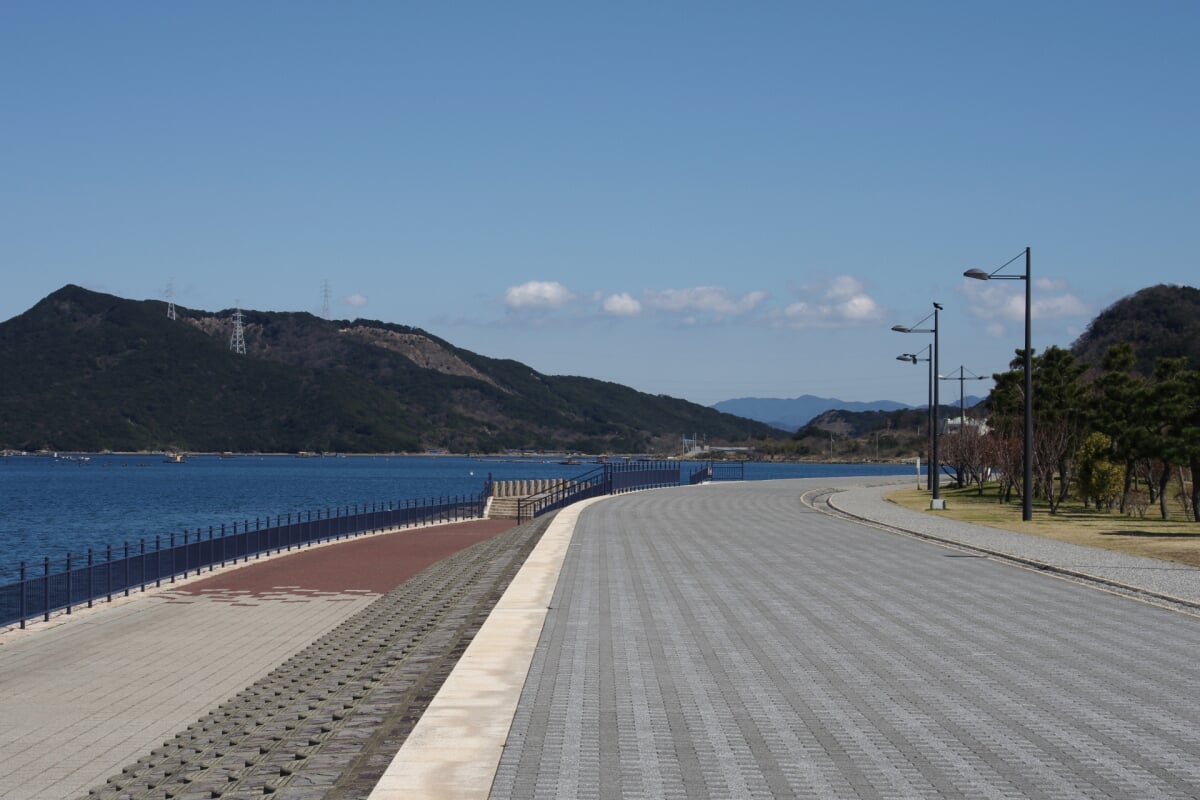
point(727, 641)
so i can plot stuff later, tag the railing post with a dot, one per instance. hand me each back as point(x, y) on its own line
point(157, 560)
point(127, 569)
point(69, 587)
point(108, 572)
point(21, 602)
point(91, 578)
point(46, 590)
point(142, 553)
point(174, 566)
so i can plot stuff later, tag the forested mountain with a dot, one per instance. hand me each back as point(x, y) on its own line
point(1160, 322)
point(89, 371)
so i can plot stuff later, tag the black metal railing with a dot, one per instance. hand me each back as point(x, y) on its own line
point(594, 483)
point(80, 580)
point(727, 470)
point(604, 480)
point(718, 471)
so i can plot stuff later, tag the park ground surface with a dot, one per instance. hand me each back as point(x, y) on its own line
point(1175, 539)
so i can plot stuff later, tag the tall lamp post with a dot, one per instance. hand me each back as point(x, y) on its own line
point(934, 461)
point(978, 274)
point(913, 358)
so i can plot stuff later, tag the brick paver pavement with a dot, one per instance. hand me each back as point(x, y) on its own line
point(727, 642)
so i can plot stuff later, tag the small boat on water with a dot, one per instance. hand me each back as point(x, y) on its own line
point(174, 458)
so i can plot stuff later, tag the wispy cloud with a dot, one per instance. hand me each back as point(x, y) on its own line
point(704, 299)
point(538, 295)
point(840, 302)
point(356, 300)
point(1051, 300)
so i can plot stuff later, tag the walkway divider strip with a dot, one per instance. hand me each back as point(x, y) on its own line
point(455, 748)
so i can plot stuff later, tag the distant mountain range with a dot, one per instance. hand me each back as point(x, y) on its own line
point(793, 414)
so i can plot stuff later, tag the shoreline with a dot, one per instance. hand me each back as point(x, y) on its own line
point(502, 458)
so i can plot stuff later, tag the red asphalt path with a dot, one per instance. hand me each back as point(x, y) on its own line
point(375, 564)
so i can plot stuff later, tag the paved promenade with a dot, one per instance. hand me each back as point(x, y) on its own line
point(722, 641)
point(727, 641)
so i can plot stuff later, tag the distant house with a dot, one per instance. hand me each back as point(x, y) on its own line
point(956, 424)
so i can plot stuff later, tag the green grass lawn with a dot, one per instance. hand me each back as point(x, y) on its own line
point(1175, 539)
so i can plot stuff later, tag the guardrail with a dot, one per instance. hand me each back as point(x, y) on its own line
point(604, 480)
point(727, 470)
point(81, 580)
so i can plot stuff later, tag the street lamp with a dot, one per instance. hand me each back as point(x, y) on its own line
point(934, 462)
point(978, 274)
point(913, 358)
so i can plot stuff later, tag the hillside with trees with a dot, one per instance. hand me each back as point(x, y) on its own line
point(1159, 322)
point(90, 371)
point(1116, 417)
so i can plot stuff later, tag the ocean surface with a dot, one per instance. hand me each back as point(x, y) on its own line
point(52, 506)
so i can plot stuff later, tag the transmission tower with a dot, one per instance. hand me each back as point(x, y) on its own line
point(237, 342)
point(171, 301)
point(325, 301)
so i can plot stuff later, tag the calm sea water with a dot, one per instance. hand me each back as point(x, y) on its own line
point(55, 506)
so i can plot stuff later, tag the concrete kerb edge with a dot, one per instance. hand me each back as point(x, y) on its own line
point(1000, 555)
point(475, 716)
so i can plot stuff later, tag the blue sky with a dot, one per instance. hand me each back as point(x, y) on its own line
point(705, 200)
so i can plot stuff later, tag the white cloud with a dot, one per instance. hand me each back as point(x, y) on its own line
point(1064, 305)
point(621, 305)
point(859, 308)
point(538, 294)
point(1051, 300)
point(844, 286)
point(356, 300)
point(1049, 285)
point(712, 299)
point(840, 302)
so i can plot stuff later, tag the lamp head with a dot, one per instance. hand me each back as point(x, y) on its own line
point(977, 274)
point(900, 329)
